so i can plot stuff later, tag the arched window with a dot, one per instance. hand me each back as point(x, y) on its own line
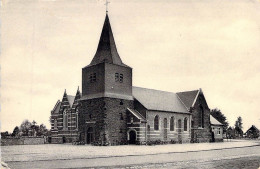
point(156, 122)
point(185, 124)
point(179, 123)
point(172, 124)
point(65, 120)
point(202, 117)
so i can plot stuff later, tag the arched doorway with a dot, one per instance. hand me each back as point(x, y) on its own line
point(63, 139)
point(90, 137)
point(132, 137)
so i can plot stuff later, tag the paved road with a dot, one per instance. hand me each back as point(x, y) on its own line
point(238, 157)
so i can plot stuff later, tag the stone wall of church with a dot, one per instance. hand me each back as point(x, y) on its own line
point(178, 135)
point(116, 119)
point(91, 115)
point(201, 133)
point(107, 116)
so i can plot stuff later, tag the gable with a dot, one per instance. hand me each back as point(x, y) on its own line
point(188, 97)
point(70, 99)
point(56, 108)
point(193, 98)
point(214, 121)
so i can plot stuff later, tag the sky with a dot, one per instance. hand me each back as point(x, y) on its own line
point(171, 45)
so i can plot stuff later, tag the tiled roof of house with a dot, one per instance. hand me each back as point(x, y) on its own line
point(253, 127)
point(159, 100)
point(188, 97)
point(214, 121)
point(71, 99)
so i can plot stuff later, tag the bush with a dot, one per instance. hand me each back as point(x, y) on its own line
point(173, 142)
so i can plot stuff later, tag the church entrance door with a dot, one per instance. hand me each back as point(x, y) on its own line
point(90, 137)
point(132, 137)
point(165, 129)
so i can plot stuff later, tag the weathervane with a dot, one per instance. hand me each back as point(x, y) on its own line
point(107, 2)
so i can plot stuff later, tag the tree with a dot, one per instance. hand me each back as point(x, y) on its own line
point(239, 123)
point(15, 131)
point(217, 114)
point(25, 127)
point(4, 134)
point(239, 127)
point(42, 130)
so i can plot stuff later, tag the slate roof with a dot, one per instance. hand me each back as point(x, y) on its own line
point(188, 97)
point(214, 121)
point(107, 51)
point(136, 114)
point(71, 99)
point(159, 100)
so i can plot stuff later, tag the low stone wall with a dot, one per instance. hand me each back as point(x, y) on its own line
point(22, 141)
point(33, 140)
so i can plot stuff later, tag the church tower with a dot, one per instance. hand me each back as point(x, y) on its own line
point(106, 94)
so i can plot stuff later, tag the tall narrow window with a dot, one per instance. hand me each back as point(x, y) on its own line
point(76, 119)
point(218, 130)
point(202, 117)
point(121, 116)
point(179, 123)
point(116, 77)
point(121, 78)
point(55, 123)
point(172, 124)
point(65, 120)
point(93, 77)
point(156, 122)
point(185, 124)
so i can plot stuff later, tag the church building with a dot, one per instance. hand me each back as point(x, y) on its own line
point(111, 111)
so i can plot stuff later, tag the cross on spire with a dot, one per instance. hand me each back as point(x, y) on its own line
point(107, 2)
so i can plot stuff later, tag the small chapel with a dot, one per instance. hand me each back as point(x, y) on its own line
point(111, 111)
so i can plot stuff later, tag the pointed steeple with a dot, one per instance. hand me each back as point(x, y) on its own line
point(106, 51)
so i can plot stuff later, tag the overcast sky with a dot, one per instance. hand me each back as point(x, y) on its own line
point(171, 45)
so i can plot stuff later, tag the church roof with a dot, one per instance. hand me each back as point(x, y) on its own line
point(71, 99)
point(107, 51)
point(136, 114)
point(214, 121)
point(188, 97)
point(56, 108)
point(159, 100)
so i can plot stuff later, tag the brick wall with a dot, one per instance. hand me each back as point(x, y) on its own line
point(22, 141)
point(178, 134)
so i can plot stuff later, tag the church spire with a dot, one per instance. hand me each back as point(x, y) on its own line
point(106, 51)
